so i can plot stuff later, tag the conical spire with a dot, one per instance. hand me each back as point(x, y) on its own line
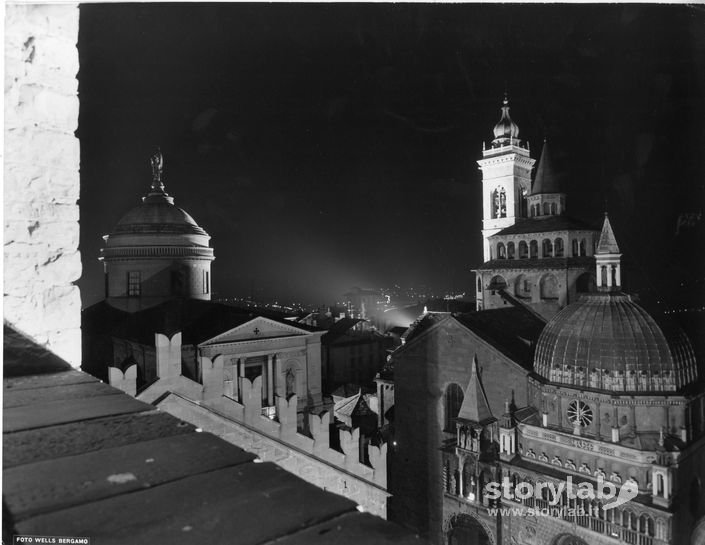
point(475, 407)
point(608, 242)
point(546, 180)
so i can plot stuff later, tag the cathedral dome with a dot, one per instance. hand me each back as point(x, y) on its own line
point(156, 251)
point(157, 214)
point(605, 341)
point(505, 127)
point(158, 225)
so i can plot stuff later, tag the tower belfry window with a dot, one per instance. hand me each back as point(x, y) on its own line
point(499, 203)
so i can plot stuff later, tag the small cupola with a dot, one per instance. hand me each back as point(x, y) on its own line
point(505, 131)
point(608, 260)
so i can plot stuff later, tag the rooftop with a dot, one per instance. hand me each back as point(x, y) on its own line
point(545, 224)
point(512, 330)
point(539, 263)
point(83, 459)
point(197, 320)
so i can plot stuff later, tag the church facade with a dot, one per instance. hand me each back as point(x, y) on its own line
point(531, 392)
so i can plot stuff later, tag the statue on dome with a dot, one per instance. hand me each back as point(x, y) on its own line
point(157, 162)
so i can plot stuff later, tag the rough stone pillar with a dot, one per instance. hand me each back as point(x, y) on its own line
point(41, 176)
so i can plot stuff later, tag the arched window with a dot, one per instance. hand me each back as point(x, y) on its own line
point(547, 248)
point(499, 203)
point(575, 248)
point(626, 518)
point(603, 275)
point(524, 203)
point(549, 287)
point(522, 287)
point(582, 247)
point(498, 283)
point(510, 250)
point(553, 208)
point(533, 249)
point(558, 246)
point(453, 402)
point(479, 284)
point(646, 525)
point(546, 209)
point(501, 251)
point(523, 250)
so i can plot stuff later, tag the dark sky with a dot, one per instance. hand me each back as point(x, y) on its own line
point(326, 146)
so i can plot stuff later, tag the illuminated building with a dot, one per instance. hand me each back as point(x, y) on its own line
point(534, 253)
point(250, 377)
point(598, 391)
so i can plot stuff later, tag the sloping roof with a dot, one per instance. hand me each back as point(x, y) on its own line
point(608, 242)
point(357, 405)
point(546, 180)
point(197, 320)
point(475, 407)
point(512, 330)
point(397, 330)
point(350, 389)
point(423, 323)
point(545, 224)
point(341, 327)
point(527, 415)
point(539, 263)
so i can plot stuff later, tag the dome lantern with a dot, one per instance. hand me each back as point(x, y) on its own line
point(608, 261)
point(505, 131)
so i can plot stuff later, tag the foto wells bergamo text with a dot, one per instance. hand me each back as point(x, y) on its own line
point(52, 540)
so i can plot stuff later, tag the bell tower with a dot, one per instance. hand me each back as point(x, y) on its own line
point(506, 178)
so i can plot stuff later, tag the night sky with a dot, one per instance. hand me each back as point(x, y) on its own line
point(329, 146)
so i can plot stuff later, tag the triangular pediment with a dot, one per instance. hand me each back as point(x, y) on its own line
point(256, 329)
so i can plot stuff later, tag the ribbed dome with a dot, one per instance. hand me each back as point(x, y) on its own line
point(505, 127)
point(157, 214)
point(606, 341)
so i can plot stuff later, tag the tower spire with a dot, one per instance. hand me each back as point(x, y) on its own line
point(475, 407)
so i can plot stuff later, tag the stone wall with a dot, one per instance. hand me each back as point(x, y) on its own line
point(307, 454)
point(423, 370)
point(41, 176)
